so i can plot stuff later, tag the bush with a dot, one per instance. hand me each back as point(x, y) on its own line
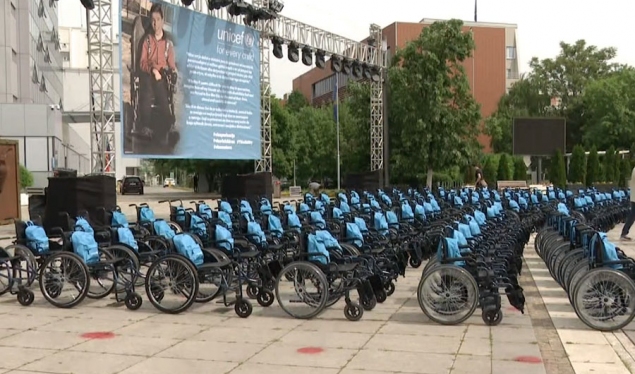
point(625, 172)
point(490, 169)
point(557, 170)
point(505, 171)
point(592, 167)
point(610, 173)
point(26, 178)
point(577, 165)
point(520, 169)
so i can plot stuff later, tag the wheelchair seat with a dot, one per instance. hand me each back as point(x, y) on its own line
point(221, 263)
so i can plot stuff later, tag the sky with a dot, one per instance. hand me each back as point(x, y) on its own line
point(542, 24)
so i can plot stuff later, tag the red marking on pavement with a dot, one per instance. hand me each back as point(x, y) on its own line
point(98, 335)
point(512, 309)
point(310, 350)
point(528, 359)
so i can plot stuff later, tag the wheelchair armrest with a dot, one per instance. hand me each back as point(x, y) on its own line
point(57, 232)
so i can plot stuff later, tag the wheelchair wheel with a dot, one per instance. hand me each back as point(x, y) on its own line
point(26, 268)
point(431, 264)
point(302, 290)
point(448, 294)
point(171, 284)
point(64, 279)
point(605, 299)
point(6, 280)
point(103, 276)
point(128, 269)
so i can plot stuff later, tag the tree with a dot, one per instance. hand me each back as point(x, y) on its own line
point(284, 134)
point(505, 171)
point(577, 165)
point(609, 165)
point(26, 178)
point(625, 173)
point(354, 112)
point(296, 101)
point(592, 167)
point(434, 118)
point(557, 171)
point(490, 169)
point(520, 169)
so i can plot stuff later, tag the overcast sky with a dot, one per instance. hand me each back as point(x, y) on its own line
point(542, 24)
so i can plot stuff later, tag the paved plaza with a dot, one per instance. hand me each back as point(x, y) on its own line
point(102, 337)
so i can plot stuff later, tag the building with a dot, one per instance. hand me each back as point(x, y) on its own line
point(32, 90)
point(492, 70)
point(74, 52)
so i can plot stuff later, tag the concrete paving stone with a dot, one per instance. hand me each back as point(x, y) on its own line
point(27, 321)
point(414, 343)
point(513, 334)
point(593, 368)
point(240, 335)
point(83, 325)
point(188, 319)
point(118, 314)
point(8, 332)
point(402, 362)
point(274, 323)
point(476, 347)
point(150, 329)
point(338, 314)
point(326, 339)
point(410, 316)
point(507, 367)
point(509, 351)
point(422, 329)
point(587, 353)
point(127, 345)
point(159, 365)
point(42, 340)
point(249, 368)
point(478, 332)
point(83, 362)
point(212, 351)
point(288, 355)
point(364, 327)
point(582, 337)
point(357, 371)
point(15, 357)
point(471, 365)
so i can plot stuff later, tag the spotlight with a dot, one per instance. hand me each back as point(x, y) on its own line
point(276, 6)
point(88, 4)
point(238, 7)
point(187, 2)
point(277, 47)
point(347, 66)
point(375, 74)
point(319, 59)
point(217, 4)
point(357, 70)
point(292, 52)
point(336, 64)
point(367, 72)
point(307, 55)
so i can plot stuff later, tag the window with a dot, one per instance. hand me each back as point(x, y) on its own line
point(511, 53)
point(35, 78)
point(40, 43)
point(47, 56)
point(509, 73)
point(43, 85)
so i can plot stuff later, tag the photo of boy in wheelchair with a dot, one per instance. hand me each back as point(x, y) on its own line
point(151, 119)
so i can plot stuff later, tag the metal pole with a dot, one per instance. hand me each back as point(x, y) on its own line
point(337, 126)
point(294, 181)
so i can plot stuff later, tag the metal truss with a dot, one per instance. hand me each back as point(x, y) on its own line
point(102, 87)
point(265, 162)
point(377, 107)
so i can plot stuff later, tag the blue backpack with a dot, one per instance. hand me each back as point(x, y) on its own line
point(36, 238)
point(205, 211)
point(161, 228)
point(275, 226)
point(127, 237)
point(146, 215)
point(186, 246)
point(317, 250)
point(224, 238)
point(82, 224)
point(197, 225)
point(85, 246)
point(119, 219)
point(179, 215)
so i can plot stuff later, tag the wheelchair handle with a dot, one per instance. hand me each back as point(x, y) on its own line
point(133, 205)
point(162, 201)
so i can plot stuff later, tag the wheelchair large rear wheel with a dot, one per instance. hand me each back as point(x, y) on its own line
point(25, 269)
point(448, 295)
point(302, 290)
point(605, 299)
point(64, 279)
point(172, 284)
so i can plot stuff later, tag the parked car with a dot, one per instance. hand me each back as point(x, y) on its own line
point(131, 185)
point(169, 182)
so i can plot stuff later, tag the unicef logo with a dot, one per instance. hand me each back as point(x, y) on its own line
point(249, 40)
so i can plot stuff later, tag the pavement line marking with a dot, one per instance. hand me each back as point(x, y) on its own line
point(624, 348)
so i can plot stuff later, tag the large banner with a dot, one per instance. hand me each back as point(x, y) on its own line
point(190, 84)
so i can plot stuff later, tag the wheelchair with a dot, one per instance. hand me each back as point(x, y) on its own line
point(144, 139)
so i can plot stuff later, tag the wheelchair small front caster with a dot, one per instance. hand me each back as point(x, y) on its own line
point(381, 296)
point(369, 303)
point(414, 262)
point(390, 288)
point(26, 297)
point(492, 317)
point(243, 308)
point(133, 301)
point(353, 312)
point(252, 291)
point(265, 298)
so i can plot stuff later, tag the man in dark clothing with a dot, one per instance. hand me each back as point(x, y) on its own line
point(478, 175)
point(195, 180)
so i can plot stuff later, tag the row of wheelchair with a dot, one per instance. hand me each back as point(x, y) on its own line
point(596, 274)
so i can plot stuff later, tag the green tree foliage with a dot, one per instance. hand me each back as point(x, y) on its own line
point(505, 167)
point(577, 165)
point(625, 172)
point(26, 178)
point(490, 169)
point(592, 167)
point(296, 101)
point(609, 165)
point(433, 117)
point(520, 169)
point(557, 171)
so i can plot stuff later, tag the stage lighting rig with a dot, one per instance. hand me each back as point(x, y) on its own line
point(292, 52)
point(258, 14)
point(187, 3)
point(276, 6)
point(320, 57)
point(357, 70)
point(336, 64)
point(367, 72)
point(277, 47)
point(347, 66)
point(239, 8)
point(217, 4)
point(307, 55)
point(88, 4)
point(375, 74)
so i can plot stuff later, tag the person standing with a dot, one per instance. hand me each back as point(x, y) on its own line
point(480, 180)
point(314, 188)
point(631, 215)
point(195, 180)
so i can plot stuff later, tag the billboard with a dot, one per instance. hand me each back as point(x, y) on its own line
point(190, 84)
point(538, 136)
